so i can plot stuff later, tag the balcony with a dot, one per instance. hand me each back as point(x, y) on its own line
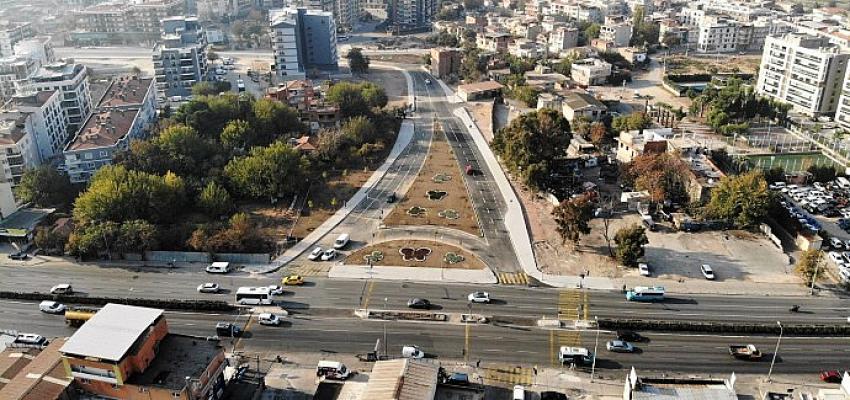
point(95, 377)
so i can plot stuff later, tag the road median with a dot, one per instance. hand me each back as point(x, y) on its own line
point(818, 330)
point(168, 304)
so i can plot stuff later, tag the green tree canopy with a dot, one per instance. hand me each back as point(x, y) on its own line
point(44, 186)
point(237, 134)
point(269, 172)
point(214, 200)
point(178, 148)
point(356, 99)
point(632, 122)
point(572, 217)
point(662, 175)
point(630, 242)
point(743, 199)
point(357, 62)
point(529, 143)
point(822, 173)
point(272, 120)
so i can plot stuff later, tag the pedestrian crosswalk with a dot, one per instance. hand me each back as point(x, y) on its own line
point(505, 374)
point(308, 270)
point(558, 338)
point(570, 304)
point(512, 278)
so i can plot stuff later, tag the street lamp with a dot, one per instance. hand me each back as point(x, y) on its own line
point(775, 351)
point(385, 330)
point(595, 348)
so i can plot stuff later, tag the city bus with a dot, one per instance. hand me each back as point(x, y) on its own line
point(254, 296)
point(642, 293)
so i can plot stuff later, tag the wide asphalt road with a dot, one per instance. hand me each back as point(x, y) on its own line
point(512, 301)
point(493, 345)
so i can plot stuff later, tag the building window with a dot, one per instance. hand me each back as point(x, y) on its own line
point(176, 395)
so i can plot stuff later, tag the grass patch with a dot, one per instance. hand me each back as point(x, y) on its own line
point(441, 255)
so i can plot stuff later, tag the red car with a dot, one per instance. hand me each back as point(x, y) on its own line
point(830, 376)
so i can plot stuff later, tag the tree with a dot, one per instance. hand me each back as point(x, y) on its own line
point(239, 235)
point(563, 66)
point(630, 241)
point(632, 122)
point(214, 200)
point(270, 172)
point(526, 94)
point(237, 134)
point(592, 31)
point(743, 200)
point(357, 62)
point(822, 173)
point(212, 56)
point(572, 217)
point(598, 134)
point(49, 241)
point(644, 32)
point(44, 186)
point(472, 4)
point(135, 236)
point(473, 65)
point(808, 263)
point(775, 174)
point(210, 88)
point(662, 175)
point(272, 119)
point(531, 142)
point(356, 99)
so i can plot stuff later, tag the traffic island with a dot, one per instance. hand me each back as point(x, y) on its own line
point(415, 254)
point(420, 316)
point(788, 329)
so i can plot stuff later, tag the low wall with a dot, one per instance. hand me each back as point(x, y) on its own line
point(169, 304)
point(178, 256)
point(724, 327)
point(244, 258)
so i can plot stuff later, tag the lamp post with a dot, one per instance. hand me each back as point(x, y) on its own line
point(775, 351)
point(385, 330)
point(595, 348)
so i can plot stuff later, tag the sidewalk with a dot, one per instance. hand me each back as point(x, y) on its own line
point(419, 274)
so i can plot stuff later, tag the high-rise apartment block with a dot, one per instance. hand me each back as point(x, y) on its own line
point(842, 113)
point(180, 58)
point(136, 22)
point(73, 82)
point(302, 41)
point(12, 33)
point(804, 71)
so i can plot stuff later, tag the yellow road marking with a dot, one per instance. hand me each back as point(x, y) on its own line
point(244, 331)
point(466, 343)
point(368, 293)
point(552, 356)
point(586, 306)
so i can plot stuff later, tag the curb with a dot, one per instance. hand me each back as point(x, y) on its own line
point(725, 327)
point(170, 304)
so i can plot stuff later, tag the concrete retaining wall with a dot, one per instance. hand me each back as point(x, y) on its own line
point(179, 256)
point(244, 258)
point(169, 304)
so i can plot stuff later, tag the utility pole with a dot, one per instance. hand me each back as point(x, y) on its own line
point(775, 351)
point(386, 354)
point(595, 348)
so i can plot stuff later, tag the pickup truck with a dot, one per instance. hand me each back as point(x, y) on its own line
point(745, 352)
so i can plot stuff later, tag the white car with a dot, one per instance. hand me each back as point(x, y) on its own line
point(275, 290)
point(315, 254)
point(268, 319)
point(479, 297)
point(836, 257)
point(62, 288)
point(51, 307)
point(208, 288)
point(836, 243)
point(707, 272)
point(328, 255)
point(619, 346)
point(220, 72)
point(643, 268)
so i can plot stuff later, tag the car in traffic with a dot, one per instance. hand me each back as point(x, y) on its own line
point(391, 198)
point(315, 254)
point(479, 297)
point(411, 351)
point(707, 272)
point(62, 288)
point(831, 376)
point(208, 287)
point(417, 303)
point(226, 329)
point(329, 254)
point(51, 307)
point(268, 319)
point(620, 346)
point(427, 81)
point(643, 268)
point(19, 255)
point(458, 378)
point(292, 280)
point(836, 243)
point(275, 290)
point(629, 336)
point(221, 267)
point(342, 241)
point(30, 340)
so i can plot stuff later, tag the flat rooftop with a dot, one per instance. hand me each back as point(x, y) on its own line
point(179, 356)
point(125, 90)
point(43, 377)
point(33, 100)
point(111, 333)
point(57, 71)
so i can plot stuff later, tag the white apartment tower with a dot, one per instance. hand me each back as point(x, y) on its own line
point(803, 71)
point(842, 114)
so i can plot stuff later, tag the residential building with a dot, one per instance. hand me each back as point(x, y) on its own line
point(127, 352)
point(631, 144)
point(563, 38)
point(496, 42)
point(18, 151)
point(126, 112)
point(29, 55)
point(717, 35)
point(303, 41)
point(73, 83)
point(119, 22)
point(616, 30)
point(216, 10)
point(307, 99)
point(46, 122)
point(581, 104)
point(842, 114)
point(803, 71)
point(526, 48)
point(445, 63)
point(35, 374)
point(180, 58)
point(411, 15)
point(645, 388)
point(479, 90)
point(11, 33)
point(590, 71)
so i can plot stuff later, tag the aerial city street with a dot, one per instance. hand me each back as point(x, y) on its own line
point(436, 200)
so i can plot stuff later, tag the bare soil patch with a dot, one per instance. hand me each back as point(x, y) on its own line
point(393, 83)
point(418, 253)
point(438, 196)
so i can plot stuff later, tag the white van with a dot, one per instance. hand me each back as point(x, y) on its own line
point(218, 268)
point(412, 352)
point(30, 340)
point(332, 370)
point(575, 355)
point(341, 241)
point(519, 393)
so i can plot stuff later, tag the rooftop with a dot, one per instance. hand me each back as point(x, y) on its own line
point(58, 70)
point(41, 378)
point(179, 356)
point(111, 333)
point(12, 125)
point(480, 86)
point(104, 129)
point(581, 100)
point(126, 90)
point(402, 379)
point(679, 389)
point(32, 100)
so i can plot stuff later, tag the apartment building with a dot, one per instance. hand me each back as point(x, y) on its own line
point(29, 56)
point(411, 15)
point(302, 40)
point(804, 71)
point(591, 71)
point(73, 83)
point(180, 57)
point(617, 30)
point(445, 63)
point(119, 22)
point(216, 10)
point(495, 42)
point(126, 112)
point(563, 38)
point(11, 33)
point(18, 151)
point(717, 35)
point(842, 113)
point(127, 352)
point(46, 121)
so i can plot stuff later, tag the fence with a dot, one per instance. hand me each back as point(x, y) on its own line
point(178, 256)
point(243, 258)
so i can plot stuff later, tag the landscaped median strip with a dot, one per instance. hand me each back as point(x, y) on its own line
point(424, 316)
point(168, 304)
point(614, 324)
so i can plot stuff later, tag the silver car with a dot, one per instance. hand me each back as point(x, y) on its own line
point(620, 346)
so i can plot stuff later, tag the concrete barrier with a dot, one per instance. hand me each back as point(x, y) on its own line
point(168, 304)
point(178, 256)
point(725, 327)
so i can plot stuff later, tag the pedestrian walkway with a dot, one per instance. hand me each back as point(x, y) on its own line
point(418, 274)
point(308, 270)
point(512, 278)
point(506, 375)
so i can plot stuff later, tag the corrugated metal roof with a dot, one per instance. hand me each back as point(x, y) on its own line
point(111, 332)
point(402, 379)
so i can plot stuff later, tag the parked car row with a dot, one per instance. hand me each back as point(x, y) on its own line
point(842, 261)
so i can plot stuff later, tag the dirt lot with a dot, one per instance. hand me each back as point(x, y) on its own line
point(399, 58)
point(389, 254)
point(438, 195)
point(692, 65)
point(393, 83)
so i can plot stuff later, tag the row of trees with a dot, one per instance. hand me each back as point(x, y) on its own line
point(531, 143)
point(728, 108)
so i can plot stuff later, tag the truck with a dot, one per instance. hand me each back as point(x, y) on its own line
point(745, 352)
point(77, 316)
